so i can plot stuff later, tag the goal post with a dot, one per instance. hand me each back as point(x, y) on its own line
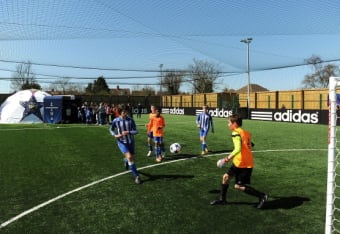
point(332, 221)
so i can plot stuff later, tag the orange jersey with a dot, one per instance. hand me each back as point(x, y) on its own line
point(116, 112)
point(243, 157)
point(157, 124)
point(151, 116)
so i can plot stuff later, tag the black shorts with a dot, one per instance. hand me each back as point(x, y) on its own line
point(242, 175)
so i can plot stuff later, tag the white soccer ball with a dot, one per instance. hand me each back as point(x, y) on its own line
point(220, 163)
point(175, 148)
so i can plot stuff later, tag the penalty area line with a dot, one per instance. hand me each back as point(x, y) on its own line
point(35, 208)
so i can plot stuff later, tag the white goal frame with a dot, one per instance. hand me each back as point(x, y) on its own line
point(334, 82)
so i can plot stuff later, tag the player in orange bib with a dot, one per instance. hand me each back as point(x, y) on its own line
point(242, 164)
point(157, 124)
point(153, 109)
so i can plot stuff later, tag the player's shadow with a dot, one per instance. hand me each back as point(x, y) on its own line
point(274, 202)
point(148, 177)
point(285, 202)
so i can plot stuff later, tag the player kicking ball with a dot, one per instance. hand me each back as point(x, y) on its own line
point(242, 164)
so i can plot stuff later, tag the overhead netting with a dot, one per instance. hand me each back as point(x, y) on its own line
point(105, 34)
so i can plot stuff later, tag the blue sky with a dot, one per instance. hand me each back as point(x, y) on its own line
point(128, 40)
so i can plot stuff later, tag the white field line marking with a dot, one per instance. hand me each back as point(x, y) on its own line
point(56, 126)
point(35, 208)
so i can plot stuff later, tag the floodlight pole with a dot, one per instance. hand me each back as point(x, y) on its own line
point(247, 41)
point(160, 86)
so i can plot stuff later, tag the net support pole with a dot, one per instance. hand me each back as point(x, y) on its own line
point(332, 119)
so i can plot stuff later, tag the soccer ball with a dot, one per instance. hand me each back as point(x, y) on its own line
point(175, 148)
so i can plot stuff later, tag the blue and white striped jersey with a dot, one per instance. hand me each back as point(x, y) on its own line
point(205, 121)
point(119, 125)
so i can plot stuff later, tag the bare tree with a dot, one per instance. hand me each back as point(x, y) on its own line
point(172, 81)
point(321, 73)
point(203, 76)
point(66, 86)
point(23, 77)
point(60, 84)
point(75, 88)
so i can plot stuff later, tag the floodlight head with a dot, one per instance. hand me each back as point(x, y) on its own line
point(247, 40)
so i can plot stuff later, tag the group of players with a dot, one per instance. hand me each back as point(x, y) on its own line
point(123, 128)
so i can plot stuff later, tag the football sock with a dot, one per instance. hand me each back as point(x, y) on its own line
point(133, 169)
point(223, 194)
point(204, 145)
point(253, 192)
point(156, 151)
point(150, 147)
point(162, 147)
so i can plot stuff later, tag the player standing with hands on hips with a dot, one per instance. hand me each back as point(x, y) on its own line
point(123, 128)
point(204, 122)
point(242, 164)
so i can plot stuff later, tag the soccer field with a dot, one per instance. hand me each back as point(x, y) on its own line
point(71, 179)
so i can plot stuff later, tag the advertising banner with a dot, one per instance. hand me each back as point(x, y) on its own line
point(53, 109)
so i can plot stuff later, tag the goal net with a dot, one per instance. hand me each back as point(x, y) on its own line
point(332, 224)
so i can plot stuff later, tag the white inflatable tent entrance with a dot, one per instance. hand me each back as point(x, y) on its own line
point(25, 106)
